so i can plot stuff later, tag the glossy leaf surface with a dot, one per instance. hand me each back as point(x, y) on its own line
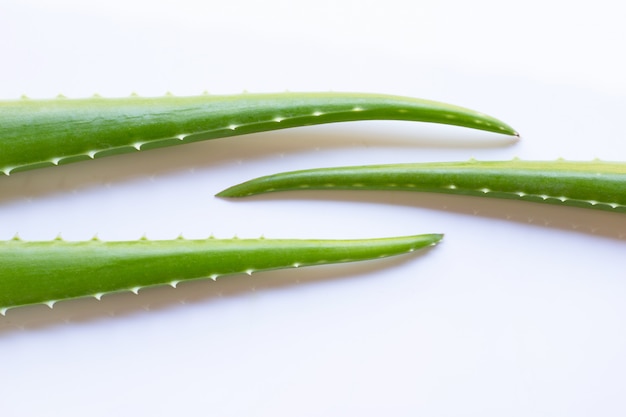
point(44, 272)
point(39, 133)
point(595, 184)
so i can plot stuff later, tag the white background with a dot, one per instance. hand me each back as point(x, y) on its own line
point(520, 312)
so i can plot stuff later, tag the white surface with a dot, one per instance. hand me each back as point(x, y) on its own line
point(519, 312)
